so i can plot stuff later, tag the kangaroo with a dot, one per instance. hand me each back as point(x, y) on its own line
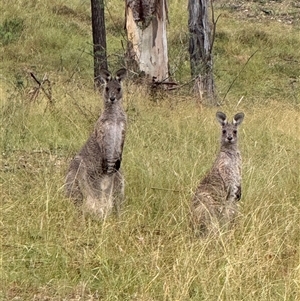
point(214, 204)
point(94, 178)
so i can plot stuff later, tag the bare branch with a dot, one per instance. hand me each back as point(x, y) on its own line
point(44, 80)
point(234, 80)
point(214, 22)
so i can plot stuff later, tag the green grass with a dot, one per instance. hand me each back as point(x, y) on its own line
point(48, 252)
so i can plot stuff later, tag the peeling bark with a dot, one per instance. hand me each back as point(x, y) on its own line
point(147, 37)
point(200, 49)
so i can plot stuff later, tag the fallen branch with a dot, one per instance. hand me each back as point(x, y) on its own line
point(169, 85)
point(166, 189)
point(40, 87)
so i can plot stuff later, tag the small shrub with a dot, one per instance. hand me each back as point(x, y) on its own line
point(11, 30)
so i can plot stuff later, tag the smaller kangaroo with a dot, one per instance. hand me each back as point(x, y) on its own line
point(214, 204)
point(94, 178)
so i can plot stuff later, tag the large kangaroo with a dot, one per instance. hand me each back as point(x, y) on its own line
point(215, 201)
point(94, 178)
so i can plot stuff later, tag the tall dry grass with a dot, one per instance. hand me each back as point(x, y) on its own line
point(149, 253)
point(48, 252)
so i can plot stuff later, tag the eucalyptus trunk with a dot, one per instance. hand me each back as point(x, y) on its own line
point(200, 49)
point(99, 38)
point(147, 38)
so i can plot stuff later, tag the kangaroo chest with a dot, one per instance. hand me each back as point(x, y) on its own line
point(114, 134)
point(230, 168)
point(111, 131)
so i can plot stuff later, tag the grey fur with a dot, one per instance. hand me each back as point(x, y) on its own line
point(94, 179)
point(214, 204)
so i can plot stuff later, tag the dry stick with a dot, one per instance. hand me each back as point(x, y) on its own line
point(177, 86)
point(214, 22)
point(239, 102)
point(112, 19)
point(79, 108)
point(232, 83)
point(74, 69)
point(169, 85)
point(166, 189)
point(41, 87)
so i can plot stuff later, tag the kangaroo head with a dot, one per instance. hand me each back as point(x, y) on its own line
point(229, 130)
point(113, 88)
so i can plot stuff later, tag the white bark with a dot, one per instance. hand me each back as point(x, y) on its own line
point(148, 39)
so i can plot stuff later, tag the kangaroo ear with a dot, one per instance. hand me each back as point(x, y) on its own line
point(105, 75)
point(121, 74)
point(221, 118)
point(238, 118)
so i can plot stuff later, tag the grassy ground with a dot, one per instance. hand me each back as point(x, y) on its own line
point(48, 252)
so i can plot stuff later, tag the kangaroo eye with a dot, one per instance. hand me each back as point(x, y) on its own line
point(224, 131)
point(106, 89)
point(235, 132)
point(119, 89)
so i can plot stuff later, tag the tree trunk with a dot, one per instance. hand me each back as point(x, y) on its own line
point(147, 37)
point(99, 38)
point(200, 49)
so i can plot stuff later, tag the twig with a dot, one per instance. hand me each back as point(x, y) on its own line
point(79, 108)
point(214, 22)
point(45, 79)
point(239, 101)
point(76, 65)
point(234, 80)
point(165, 189)
point(169, 85)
